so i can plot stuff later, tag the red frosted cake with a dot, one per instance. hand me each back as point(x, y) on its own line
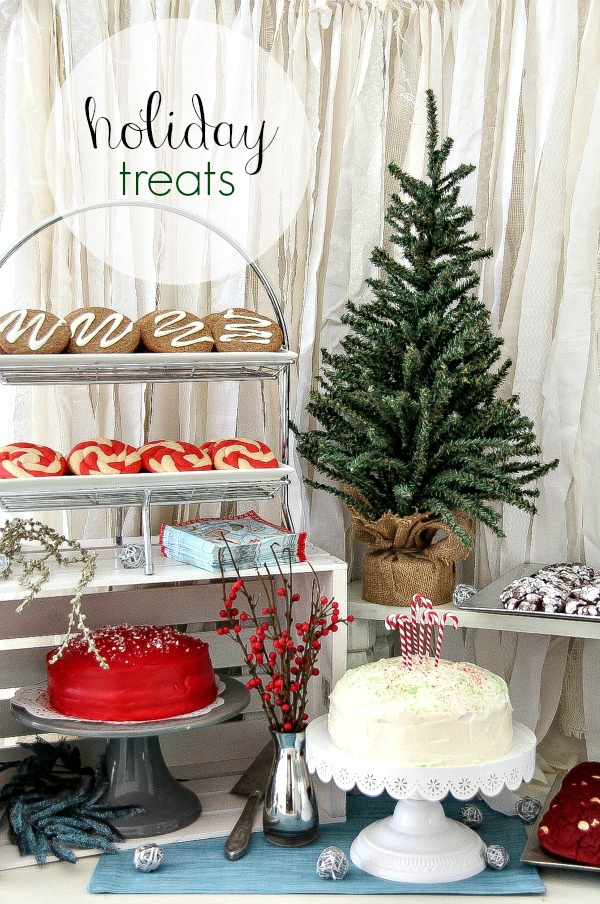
point(153, 673)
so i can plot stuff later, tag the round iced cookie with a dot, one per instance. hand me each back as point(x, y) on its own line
point(104, 456)
point(175, 331)
point(101, 331)
point(25, 331)
point(242, 454)
point(240, 330)
point(171, 456)
point(31, 460)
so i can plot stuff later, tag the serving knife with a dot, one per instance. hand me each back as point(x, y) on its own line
point(251, 784)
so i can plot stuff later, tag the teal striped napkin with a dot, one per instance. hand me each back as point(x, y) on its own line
point(200, 867)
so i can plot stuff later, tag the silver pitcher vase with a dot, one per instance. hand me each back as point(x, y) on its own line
point(290, 814)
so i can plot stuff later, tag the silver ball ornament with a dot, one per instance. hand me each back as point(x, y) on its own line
point(496, 856)
point(528, 809)
point(471, 815)
point(132, 556)
point(462, 592)
point(4, 563)
point(148, 857)
point(332, 863)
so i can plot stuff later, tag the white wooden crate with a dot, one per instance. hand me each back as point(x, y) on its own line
point(175, 595)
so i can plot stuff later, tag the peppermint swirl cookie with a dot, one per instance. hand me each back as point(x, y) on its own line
point(170, 456)
point(208, 446)
point(29, 332)
point(101, 331)
point(30, 460)
point(175, 331)
point(242, 454)
point(240, 330)
point(103, 456)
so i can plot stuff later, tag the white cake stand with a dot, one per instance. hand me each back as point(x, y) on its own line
point(418, 842)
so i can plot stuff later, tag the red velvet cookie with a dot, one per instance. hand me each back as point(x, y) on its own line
point(582, 775)
point(104, 456)
point(240, 330)
point(30, 460)
point(26, 331)
point(571, 825)
point(170, 456)
point(241, 454)
point(101, 331)
point(175, 331)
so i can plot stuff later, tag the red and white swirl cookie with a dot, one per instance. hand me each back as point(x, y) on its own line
point(241, 454)
point(170, 456)
point(30, 460)
point(208, 445)
point(104, 456)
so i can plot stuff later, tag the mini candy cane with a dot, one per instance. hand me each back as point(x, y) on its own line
point(391, 622)
point(417, 605)
point(429, 618)
point(404, 630)
point(446, 617)
point(401, 623)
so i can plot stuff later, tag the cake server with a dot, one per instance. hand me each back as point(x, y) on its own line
point(251, 784)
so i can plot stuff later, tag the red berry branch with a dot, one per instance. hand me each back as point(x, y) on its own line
point(282, 652)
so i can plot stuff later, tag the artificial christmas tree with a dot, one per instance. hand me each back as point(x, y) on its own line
point(412, 429)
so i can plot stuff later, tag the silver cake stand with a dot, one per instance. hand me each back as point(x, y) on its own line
point(136, 769)
point(418, 842)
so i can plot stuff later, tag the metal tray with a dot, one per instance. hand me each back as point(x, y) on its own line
point(488, 599)
point(143, 367)
point(21, 494)
point(535, 854)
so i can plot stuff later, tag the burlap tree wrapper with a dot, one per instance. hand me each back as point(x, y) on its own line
point(402, 559)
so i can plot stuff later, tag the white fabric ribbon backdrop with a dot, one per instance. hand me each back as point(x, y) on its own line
point(518, 88)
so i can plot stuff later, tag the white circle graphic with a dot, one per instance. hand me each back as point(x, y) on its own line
point(187, 114)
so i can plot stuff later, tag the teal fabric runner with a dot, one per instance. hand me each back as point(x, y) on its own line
point(198, 867)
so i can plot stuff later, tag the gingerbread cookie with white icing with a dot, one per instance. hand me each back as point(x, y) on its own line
point(26, 331)
point(175, 331)
point(240, 330)
point(101, 331)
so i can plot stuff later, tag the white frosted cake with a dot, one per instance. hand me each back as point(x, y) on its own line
point(449, 714)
